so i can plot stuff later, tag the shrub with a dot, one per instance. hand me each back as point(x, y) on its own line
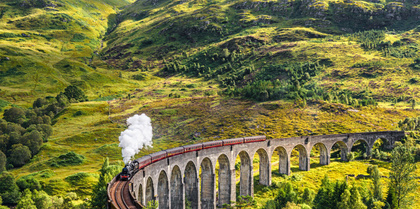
point(79, 113)
point(77, 178)
point(70, 158)
point(75, 93)
point(28, 182)
point(79, 37)
point(140, 77)
point(350, 156)
point(191, 86)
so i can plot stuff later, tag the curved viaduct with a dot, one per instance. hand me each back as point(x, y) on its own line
point(178, 179)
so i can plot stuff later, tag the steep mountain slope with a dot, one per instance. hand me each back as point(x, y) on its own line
point(271, 45)
point(48, 45)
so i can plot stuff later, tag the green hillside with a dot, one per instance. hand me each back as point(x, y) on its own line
point(206, 70)
point(48, 45)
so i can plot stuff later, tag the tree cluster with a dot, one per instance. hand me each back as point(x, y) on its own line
point(26, 193)
point(375, 40)
point(22, 131)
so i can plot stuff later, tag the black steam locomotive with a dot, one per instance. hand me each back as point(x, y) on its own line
point(128, 170)
point(132, 167)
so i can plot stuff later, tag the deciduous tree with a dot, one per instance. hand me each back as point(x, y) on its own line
point(19, 155)
point(402, 175)
point(9, 191)
point(14, 115)
point(75, 93)
point(26, 201)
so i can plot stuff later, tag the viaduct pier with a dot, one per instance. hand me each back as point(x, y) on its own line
point(191, 176)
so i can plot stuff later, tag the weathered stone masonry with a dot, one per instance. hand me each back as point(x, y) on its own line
point(174, 180)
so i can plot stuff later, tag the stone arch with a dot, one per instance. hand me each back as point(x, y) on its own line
point(224, 180)
point(264, 167)
point(324, 157)
point(191, 184)
point(207, 184)
point(303, 157)
point(163, 191)
point(343, 150)
point(386, 143)
point(177, 199)
point(245, 184)
point(365, 142)
point(140, 194)
point(150, 191)
point(284, 160)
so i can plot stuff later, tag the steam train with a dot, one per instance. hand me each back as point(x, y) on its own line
point(128, 170)
point(132, 167)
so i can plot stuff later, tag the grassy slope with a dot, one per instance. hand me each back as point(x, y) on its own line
point(43, 50)
point(149, 31)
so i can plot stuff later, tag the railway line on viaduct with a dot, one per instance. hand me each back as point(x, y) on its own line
point(175, 180)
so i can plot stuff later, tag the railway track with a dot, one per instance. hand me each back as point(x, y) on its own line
point(121, 197)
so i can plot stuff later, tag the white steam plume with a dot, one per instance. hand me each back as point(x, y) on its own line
point(136, 136)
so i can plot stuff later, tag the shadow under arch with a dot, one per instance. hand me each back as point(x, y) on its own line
point(284, 161)
point(324, 157)
point(343, 150)
point(150, 191)
point(264, 167)
point(163, 190)
point(224, 180)
point(177, 199)
point(207, 184)
point(303, 157)
point(191, 185)
point(245, 182)
point(382, 144)
point(360, 146)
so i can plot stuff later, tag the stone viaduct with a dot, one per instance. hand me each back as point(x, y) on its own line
point(178, 179)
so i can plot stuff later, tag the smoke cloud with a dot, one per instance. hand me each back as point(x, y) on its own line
point(136, 136)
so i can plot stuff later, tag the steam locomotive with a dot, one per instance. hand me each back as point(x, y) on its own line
point(128, 170)
point(132, 167)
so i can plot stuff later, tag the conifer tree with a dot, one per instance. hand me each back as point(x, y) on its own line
point(356, 200)
point(391, 199)
point(285, 194)
point(99, 194)
point(324, 199)
point(351, 199)
point(376, 183)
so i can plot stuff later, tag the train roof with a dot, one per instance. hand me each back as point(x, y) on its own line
point(212, 142)
point(146, 157)
point(234, 139)
point(193, 145)
point(158, 153)
point(175, 149)
point(255, 137)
